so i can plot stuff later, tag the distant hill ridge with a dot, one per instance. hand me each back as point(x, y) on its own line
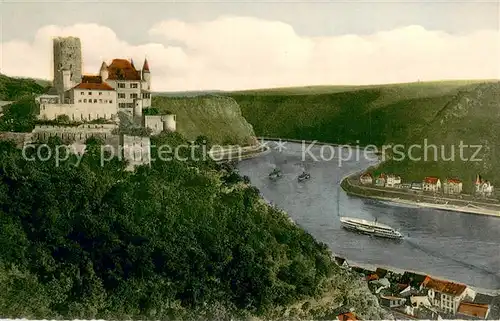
point(443, 113)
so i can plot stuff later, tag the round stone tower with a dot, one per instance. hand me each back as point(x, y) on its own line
point(67, 56)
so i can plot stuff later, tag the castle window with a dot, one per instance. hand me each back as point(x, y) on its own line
point(133, 85)
point(121, 85)
point(100, 100)
point(133, 95)
point(90, 117)
point(90, 101)
point(110, 101)
point(95, 100)
point(85, 100)
point(121, 95)
point(100, 93)
point(82, 93)
point(90, 93)
point(79, 100)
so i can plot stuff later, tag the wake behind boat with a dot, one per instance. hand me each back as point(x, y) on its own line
point(370, 228)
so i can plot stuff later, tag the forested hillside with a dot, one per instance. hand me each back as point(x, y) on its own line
point(14, 88)
point(180, 240)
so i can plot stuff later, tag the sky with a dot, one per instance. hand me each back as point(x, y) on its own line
point(235, 45)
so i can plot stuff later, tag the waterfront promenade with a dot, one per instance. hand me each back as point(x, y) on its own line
point(398, 196)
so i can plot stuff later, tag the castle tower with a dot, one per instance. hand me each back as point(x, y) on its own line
point(67, 56)
point(146, 74)
point(103, 72)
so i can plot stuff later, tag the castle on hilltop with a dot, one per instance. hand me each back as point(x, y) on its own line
point(98, 99)
point(117, 87)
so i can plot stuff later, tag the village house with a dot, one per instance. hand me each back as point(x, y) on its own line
point(366, 179)
point(341, 262)
point(380, 181)
point(417, 186)
point(452, 186)
point(392, 180)
point(472, 311)
point(431, 184)
point(482, 187)
point(414, 280)
point(391, 301)
point(446, 295)
point(347, 316)
point(416, 304)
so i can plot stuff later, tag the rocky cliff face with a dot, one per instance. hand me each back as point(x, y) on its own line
point(218, 118)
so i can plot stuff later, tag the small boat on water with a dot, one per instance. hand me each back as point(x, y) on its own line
point(303, 176)
point(275, 174)
point(370, 228)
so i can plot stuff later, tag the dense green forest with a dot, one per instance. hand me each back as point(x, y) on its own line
point(177, 240)
point(15, 88)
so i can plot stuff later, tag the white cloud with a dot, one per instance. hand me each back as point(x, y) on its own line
point(241, 52)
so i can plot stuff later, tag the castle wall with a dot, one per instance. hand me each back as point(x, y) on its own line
point(155, 123)
point(126, 95)
point(67, 54)
point(76, 133)
point(160, 123)
point(79, 111)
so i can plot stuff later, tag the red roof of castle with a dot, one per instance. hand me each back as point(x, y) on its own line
point(431, 180)
point(94, 86)
point(91, 79)
point(444, 286)
point(366, 175)
point(122, 69)
point(454, 181)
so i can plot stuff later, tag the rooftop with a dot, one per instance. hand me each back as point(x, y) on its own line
point(431, 180)
point(473, 309)
point(349, 316)
point(454, 181)
point(94, 86)
point(444, 286)
point(122, 69)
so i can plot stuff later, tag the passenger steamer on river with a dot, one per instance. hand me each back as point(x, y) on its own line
point(370, 228)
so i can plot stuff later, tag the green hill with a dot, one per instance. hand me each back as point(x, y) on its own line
point(218, 118)
point(174, 241)
point(441, 112)
point(13, 88)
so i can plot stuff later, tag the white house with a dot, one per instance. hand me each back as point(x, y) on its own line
point(392, 180)
point(446, 295)
point(431, 184)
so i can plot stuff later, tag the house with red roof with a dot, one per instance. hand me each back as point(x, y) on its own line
point(474, 311)
point(348, 316)
point(452, 186)
point(431, 184)
point(447, 295)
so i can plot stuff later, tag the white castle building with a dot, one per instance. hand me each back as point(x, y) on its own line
point(118, 87)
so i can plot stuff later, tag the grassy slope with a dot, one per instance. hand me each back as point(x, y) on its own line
point(218, 118)
point(384, 114)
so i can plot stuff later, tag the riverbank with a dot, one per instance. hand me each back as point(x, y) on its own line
point(301, 141)
point(420, 200)
point(373, 267)
point(237, 153)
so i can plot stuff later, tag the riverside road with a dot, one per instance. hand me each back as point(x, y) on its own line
point(455, 246)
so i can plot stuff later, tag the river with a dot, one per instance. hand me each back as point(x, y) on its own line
point(454, 246)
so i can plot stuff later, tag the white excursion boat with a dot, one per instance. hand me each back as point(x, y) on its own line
point(370, 228)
